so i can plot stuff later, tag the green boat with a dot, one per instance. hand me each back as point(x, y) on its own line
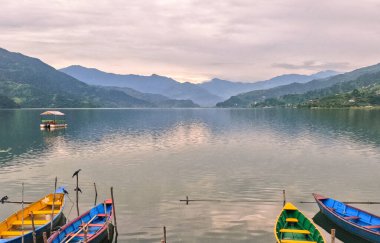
point(294, 227)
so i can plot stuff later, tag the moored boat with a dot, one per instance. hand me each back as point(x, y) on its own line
point(294, 227)
point(351, 219)
point(92, 226)
point(52, 120)
point(18, 226)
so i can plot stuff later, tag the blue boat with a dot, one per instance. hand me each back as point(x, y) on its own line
point(17, 228)
point(353, 220)
point(92, 226)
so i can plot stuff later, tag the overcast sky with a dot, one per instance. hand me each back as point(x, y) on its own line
point(242, 40)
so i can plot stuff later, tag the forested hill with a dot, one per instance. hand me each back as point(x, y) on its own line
point(31, 83)
point(363, 91)
point(247, 99)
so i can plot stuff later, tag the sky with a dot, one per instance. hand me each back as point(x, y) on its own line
point(195, 40)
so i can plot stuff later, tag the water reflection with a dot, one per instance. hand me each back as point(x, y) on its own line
point(340, 233)
point(153, 158)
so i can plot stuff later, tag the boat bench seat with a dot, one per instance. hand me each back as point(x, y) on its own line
point(351, 217)
point(56, 203)
point(372, 227)
point(13, 233)
point(92, 225)
point(292, 220)
point(29, 222)
point(297, 241)
point(79, 235)
point(305, 232)
point(102, 215)
point(45, 212)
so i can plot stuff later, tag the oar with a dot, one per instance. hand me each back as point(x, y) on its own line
point(80, 230)
point(347, 202)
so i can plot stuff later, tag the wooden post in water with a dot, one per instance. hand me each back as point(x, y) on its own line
point(44, 237)
point(164, 234)
point(85, 234)
point(284, 197)
point(22, 206)
point(332, 235)
point(187, 200)
point(76, 173)
point(52, 207)
point(96, 194)
point(33, 227)
point(114, 211)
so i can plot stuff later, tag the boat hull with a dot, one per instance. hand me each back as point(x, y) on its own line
point(346, 225)
point(98, 222)
point(58, 220)
point(293, 226)
point(43, 204)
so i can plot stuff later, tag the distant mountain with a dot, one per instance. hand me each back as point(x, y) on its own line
point(153, 84)
point(227, 89)
point(249, 98)
point(362, 91)
point(31, 83)
point(156, 100)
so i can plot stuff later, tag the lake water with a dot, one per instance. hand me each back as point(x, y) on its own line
point(155, 157)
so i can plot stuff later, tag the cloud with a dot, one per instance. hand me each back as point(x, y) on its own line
point(314, 65)
point(192, 39)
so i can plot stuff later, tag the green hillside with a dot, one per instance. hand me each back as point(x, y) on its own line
point(363, 91)
point(250, 98)
point(31, 83)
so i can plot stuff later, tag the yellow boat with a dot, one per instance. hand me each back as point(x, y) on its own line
point(19, 224)
point(292, 226)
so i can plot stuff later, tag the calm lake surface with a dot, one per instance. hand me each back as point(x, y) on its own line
point(155, 157)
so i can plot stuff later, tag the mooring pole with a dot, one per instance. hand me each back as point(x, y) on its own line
point(332, 235)
point(77, 195)
point(284, 197)
point(187, 200)
point(96, 194)
point(44, 237)
point(114, 211)
point(52, 207)
point(76, 173)
point(164, 234)
point(33, 227)
point(22, 206)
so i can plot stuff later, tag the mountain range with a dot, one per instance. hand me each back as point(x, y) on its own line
point(153, 84)
point(227, 89)
point(28, 82)
point(252, 97)
point(206, 94)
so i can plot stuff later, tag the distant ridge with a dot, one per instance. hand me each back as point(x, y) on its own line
point(226, 89)
point(29, 82)
point(153, 84)
point(249, 98)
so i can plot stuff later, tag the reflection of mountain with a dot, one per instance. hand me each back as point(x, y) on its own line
point(361, 126)
point(158, 129)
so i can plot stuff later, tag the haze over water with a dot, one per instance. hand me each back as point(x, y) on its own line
point(155, 157)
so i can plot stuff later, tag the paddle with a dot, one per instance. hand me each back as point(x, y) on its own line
point(5, 200)
point(80, 230)
point(347, 202)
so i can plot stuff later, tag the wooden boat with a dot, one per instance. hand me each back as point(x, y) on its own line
point(94, 226)
point(52, 120)
point(351, 219)
point(294, 227)
point(19, 224)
